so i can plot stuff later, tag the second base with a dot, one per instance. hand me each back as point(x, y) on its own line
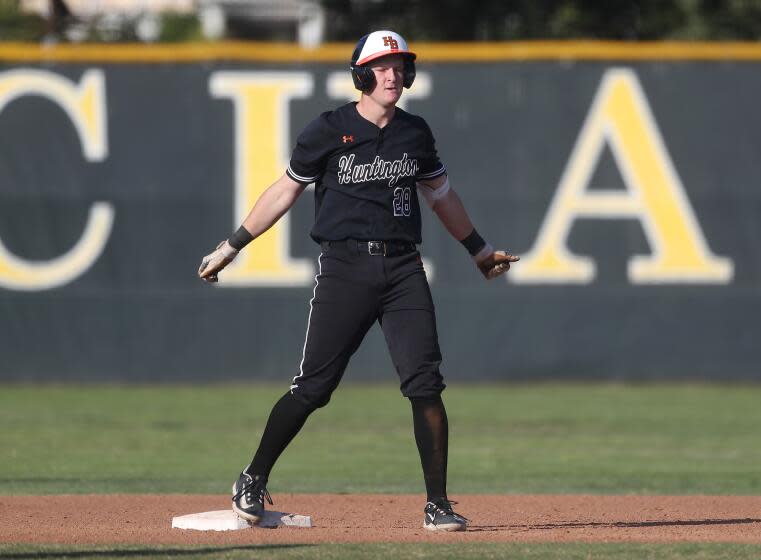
point(227, 520)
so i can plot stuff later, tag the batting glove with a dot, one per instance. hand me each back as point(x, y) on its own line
point(493, 263)
point(216, 261)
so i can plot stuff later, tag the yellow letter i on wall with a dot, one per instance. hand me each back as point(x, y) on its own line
point(620, 116)
point(262, 147)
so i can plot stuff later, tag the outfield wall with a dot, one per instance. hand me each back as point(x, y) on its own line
point(626, 176)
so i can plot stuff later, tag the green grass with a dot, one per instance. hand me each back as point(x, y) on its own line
point(545, 438)
point(481, 551)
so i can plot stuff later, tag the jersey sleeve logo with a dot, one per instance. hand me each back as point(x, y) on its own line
point(391, 42)
point(348, 138)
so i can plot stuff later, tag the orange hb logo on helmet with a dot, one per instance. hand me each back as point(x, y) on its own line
point(391, 42)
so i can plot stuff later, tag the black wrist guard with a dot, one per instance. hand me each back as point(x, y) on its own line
point(240, 238)
point(473, 243)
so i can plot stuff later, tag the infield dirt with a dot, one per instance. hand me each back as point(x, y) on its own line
point(146, 519)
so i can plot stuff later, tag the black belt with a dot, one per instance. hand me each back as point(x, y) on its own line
point(380, 248)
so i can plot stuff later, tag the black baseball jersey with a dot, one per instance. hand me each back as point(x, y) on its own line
point(365, 175)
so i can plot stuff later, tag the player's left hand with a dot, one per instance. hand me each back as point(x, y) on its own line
point(216, 261)
point(496, 264)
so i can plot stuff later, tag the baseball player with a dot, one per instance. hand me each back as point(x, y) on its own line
point(368, 160)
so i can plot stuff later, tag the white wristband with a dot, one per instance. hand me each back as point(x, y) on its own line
point(228, 251)
point(483, 253)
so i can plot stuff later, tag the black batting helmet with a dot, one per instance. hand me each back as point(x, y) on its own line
point(375, 45)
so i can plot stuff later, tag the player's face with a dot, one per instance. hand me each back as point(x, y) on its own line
point(389, 79)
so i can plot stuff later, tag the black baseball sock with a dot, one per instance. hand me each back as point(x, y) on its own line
point(432, 437)
point(286, 419)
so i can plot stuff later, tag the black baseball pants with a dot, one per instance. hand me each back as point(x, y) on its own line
point(353, 290)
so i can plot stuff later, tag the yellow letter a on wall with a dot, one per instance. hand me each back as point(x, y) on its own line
point(621, 117)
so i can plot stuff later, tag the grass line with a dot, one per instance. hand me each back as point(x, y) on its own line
point(384, 551)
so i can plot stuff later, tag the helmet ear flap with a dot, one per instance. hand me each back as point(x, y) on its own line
point(363, 77)
point(409, 72)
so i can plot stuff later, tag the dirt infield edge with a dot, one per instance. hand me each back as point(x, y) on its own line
point(146, 519)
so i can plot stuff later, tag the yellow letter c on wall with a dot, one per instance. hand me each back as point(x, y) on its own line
point(85, 106)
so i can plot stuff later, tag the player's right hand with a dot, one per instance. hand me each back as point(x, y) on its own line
point(216, 261)
point(495, 264)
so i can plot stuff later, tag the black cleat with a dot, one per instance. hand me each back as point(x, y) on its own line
point(440, 517)
point(249, 494)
